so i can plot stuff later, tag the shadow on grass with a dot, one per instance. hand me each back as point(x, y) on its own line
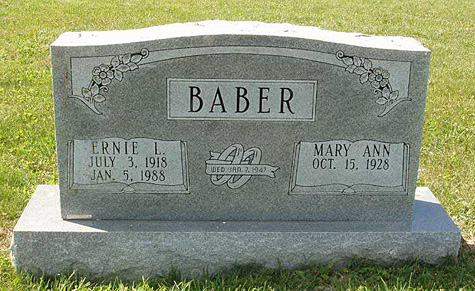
point(357, 274)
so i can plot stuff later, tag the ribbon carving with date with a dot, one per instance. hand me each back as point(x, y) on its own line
point(235, 166)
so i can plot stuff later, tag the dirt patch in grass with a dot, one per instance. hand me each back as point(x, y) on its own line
point(6, 233)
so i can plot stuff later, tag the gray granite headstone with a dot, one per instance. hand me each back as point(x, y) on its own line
point(239, 121)
point(202, 145)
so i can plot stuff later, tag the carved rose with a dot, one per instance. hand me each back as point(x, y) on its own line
point(379, 78)
point(102, 75)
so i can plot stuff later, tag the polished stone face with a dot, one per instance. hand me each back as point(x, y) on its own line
point(238, 121)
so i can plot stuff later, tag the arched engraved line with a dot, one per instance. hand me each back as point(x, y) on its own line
point(163, 55)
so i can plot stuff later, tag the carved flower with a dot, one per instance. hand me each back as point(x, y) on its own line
point(102, 75)
point(379, 78)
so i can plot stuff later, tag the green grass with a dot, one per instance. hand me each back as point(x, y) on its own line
point(358, 275)
point(27, 149)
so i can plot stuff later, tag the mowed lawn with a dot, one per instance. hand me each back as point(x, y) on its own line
point(27, 146)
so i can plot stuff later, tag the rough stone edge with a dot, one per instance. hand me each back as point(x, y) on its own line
point(101, 254)
point(222, 27)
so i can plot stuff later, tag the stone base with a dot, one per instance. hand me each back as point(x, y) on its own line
point(43, 243)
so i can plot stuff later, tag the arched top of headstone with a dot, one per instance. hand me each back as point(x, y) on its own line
point(244, 28)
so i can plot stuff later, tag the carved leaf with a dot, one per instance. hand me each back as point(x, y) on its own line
point(367, 64)
point(126, 58)
point(99, 98)
point(364, 78)
point(136, 58)
point(115, 61)
point(123, 68)
point(94, 90)
point(381, 101)
point(385, 92)
point(357, 61)
point(394, 95)
point(360, 70)
point(351, 68)
point(133, 66)
point(348, 61)
point(86, 92)
point(119, 75)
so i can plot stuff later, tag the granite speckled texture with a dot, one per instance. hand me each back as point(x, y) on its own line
point(44, 243)
point(305, 86)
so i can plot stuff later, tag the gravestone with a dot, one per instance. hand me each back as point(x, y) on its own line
point(206, 144)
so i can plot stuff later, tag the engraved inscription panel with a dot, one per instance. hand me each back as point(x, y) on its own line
point(241, 99)
point(342, 166)
point(128, 165)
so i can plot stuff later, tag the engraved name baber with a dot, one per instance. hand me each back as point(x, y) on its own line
point(242, 99)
